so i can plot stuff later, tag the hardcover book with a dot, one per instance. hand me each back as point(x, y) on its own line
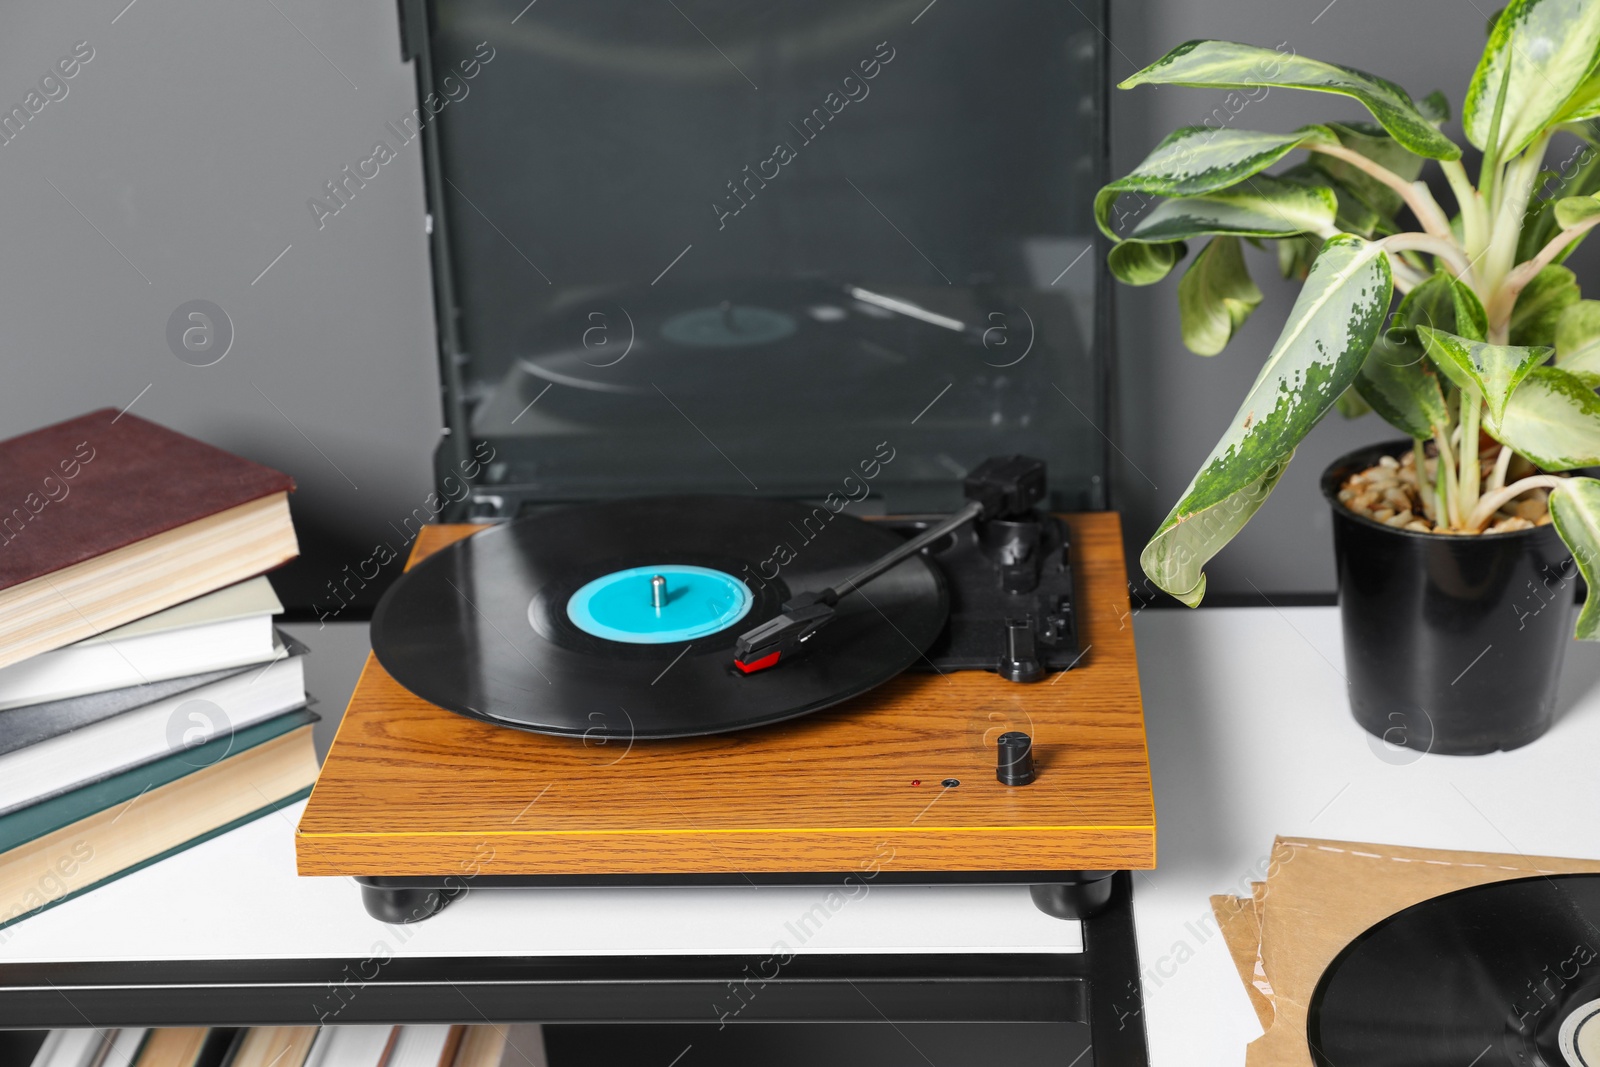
point(107, 518)
point(48, 749)
point(229, 628)
point(63, 847)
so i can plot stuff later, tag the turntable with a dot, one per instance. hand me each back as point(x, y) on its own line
point(656, 692)
point(869, 658)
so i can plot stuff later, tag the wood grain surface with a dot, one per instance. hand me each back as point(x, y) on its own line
point(411, 789)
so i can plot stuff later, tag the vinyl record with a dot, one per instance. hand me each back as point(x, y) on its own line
point(547, 623)
point(1492, 976)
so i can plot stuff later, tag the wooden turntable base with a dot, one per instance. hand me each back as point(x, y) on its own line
point(410, 789)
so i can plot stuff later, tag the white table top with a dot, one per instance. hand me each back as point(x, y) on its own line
point(1250, 737)
point(237, 897)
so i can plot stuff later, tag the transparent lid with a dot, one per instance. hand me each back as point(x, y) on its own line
point(711, 246)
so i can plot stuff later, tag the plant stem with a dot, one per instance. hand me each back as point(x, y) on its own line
point(1441, 247)
point(1415, 194)
point(1470, 468)
point(1497, 477)
point(1490, 169)
point(1474, 223)
point(1505, 299)
point(1447, 479)
point(1512, 204)
point(1441, 494)
point(1488, 184)
point(1424, 489)
point(1406, 277)
point(1493, 502)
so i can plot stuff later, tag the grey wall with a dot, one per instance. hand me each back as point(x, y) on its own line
point(182, 158)
point(184, 153)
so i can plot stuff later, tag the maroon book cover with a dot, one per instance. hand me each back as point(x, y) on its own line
point(83, 487)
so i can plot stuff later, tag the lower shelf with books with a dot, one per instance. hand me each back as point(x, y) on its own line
point(879, 1044)
point(287, 1046)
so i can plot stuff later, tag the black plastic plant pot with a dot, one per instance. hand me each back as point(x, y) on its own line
point(1452, 645)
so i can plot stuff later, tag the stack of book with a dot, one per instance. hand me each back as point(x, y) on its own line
point(146, 701)
point(297, 1046)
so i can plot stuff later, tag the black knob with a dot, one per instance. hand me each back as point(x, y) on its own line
point(1014, 764)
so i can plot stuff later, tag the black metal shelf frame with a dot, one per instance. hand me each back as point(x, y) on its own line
point(1098, 987)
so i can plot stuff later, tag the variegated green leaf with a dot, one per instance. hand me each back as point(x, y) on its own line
point(1494, 371)
point(1351, 216)
point(1352, 405)
point(1202, 159)
point(1447, 304)
point(1296, 254)
point(1578, 338)
point(1435, 107)
point(1215, 296)
point(1429, 304)
point(1553, 419)
point(1331, 328)
point(1259, 207)
point(1400, 384)
point(1584, 103)
point(1588, 129)
point(1174, 559)
point(1571, 210)
point(1133, 263)
point(1472, 320)
point(1228, 65)
point(1576, 176)
point(1542, 50)
point(1575, 513)
point(1539, 306)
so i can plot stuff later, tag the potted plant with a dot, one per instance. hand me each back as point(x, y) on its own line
point(1459, 546)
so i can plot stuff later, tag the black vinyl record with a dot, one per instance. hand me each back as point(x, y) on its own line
point(482, 627)
point(1493, 976)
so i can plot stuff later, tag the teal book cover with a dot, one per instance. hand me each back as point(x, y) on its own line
point(48, 816)
point(27, 909)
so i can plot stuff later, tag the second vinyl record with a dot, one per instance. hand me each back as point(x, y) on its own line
point(1493, 976)
point(547, 623)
